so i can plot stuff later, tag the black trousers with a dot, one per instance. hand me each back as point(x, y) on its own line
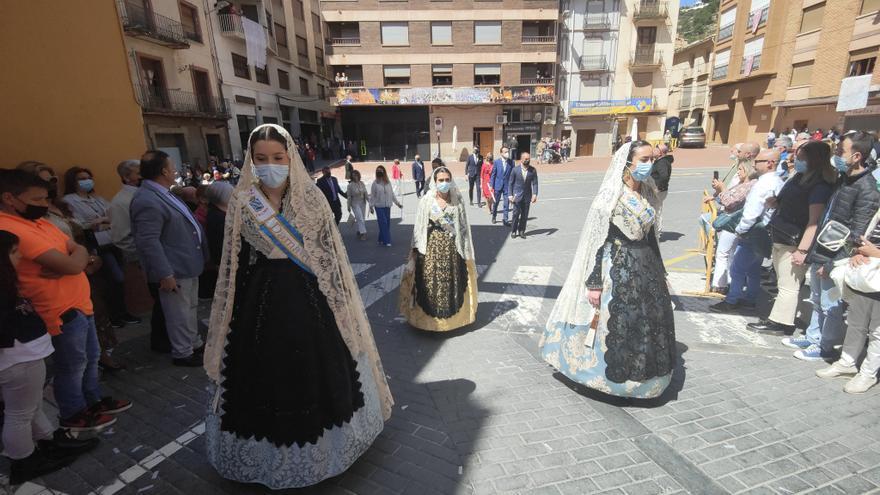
point(159, 341)
point(520, 215)
point(337, 211)
point(420, 188)
point(474, 181)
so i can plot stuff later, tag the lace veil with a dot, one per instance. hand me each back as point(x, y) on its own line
point(463, 243)
point(573, 307)
point(326, 255)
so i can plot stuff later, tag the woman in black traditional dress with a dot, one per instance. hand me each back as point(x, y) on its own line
point(300, 389)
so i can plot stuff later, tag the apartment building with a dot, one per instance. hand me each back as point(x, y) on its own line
point(780, 65)
point(614, 57)
point(292, 89)
point(441, 76)
point(172, 67)
point(689, 82)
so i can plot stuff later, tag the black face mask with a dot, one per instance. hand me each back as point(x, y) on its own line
point(526, 163)
point(33, 212)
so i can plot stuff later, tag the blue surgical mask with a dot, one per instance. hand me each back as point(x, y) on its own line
point(642, 171)
point(443, 187)
point(87, 185)
point(839, 163)
point(272, 175)
point(800, 166)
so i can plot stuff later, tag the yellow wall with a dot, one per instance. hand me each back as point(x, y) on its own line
point(68, 98)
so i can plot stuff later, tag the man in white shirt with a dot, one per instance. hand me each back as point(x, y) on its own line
point(745, 270)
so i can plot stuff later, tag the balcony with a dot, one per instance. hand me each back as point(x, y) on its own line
point(593, 63)
point(175, 102)
point(538, 39)
point(756, 64)
point(359, 83)
point(719, 72)
point(139, 22)
point(725, 32)
point(646, 59)
point(759, 16)
point(648, 10)
point(230, 25)
point(535, 81)
point(597, 21)
point(345, 41)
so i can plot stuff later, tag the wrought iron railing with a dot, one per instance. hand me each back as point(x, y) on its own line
point(597, 21)
point(530, 81)
point(719, 72)
point(137, 19)
point(593, 63)
point(538, 39)
point(345, 41)
point(175, 101)
point(725, 32)
point(646, 57)
point(231, 23)
point(649, 9)
point(351, 83)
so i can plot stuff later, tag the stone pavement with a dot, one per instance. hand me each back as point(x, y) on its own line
point(477, 412)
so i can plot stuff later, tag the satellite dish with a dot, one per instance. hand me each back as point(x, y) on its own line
point(537, 117)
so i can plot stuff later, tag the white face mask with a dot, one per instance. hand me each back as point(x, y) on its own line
point(272, 175)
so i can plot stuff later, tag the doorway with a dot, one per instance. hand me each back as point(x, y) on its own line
point(215, 145)
point(800, 125)
point(485, 139)
point(523, 144)
point(202, 89)
point(585, 140)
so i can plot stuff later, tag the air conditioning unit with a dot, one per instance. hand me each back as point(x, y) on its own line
point(550, 115)
point(501, 119)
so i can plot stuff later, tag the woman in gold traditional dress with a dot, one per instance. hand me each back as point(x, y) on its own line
point(439, 287)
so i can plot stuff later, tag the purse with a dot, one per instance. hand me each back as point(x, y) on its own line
point(727, 221)
point(784, 232)
point(833, 236)
point(863, 278)
point(734, 198)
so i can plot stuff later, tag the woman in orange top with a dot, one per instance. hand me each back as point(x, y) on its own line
point(485, 176)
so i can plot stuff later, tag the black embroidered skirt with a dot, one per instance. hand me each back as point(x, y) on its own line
point(441, 276)
point(288, 374)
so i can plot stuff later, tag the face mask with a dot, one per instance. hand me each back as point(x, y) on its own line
point(86, 185)
point(839, 163)
point(526, 162)
point(272, 175)
point(443, 187)
point(783, 156)
point(642, 171)
point(505, 155)
point(800, 166)
point(733, 156)
point(32, 212)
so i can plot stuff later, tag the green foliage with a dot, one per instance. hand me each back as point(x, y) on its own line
point(694, 25)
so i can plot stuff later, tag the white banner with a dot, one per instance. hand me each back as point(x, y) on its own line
point(255, 41)
point(854, 93)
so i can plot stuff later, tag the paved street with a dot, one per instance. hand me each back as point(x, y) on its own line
point(478, 412)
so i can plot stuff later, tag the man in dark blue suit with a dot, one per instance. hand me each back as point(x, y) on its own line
point(418, 175)
point(498, 183)
point(523, 190)
point(472, 169)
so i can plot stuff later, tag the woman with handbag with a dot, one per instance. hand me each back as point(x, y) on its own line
point(792, 229)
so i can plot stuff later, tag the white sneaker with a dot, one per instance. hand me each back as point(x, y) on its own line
point(837, 370)
point(859, 384)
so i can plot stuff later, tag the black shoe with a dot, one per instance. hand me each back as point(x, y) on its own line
point(34, 466)
point(726, 307)
point(507, 224)
point(128, 318)
point(199, 350)
point(513, 235)
point(64, 445)
point(770, 327)
point(494, 221)
point(522, 235)
point(193, 361)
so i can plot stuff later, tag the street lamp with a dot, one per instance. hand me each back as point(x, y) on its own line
point(438, 143)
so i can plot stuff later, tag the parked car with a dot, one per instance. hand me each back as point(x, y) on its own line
point(692, 137)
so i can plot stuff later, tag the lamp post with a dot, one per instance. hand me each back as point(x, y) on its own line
point(438, 143)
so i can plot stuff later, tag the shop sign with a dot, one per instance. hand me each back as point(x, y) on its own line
point(602, 107)
point(444, 96)
point(522, 127)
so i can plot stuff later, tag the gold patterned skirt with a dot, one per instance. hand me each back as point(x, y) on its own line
point(438, 291)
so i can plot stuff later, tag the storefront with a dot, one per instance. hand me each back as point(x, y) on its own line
point(522, 136)
point(386, 133)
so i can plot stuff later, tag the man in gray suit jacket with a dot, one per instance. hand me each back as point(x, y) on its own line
point(172, 248)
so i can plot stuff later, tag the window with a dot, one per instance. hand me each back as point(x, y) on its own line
point(441, 33)
point(395, 33)
point(316, 25)
point(752, 55)
point(801, 74)
point(281, 35)
point(286, 118)
point(283, 79)
point(487, 32)
point(441, 74)
point(302, 51)
point(487, 74)
point(262, 75)
point(725, 24)
point(298, 11)
point(303, 86)
point(647, 35)
point(308, 116)
point(189, 17)
point(240, 66)
point(812, 18)
point(870, 6)
point(322, 92)
point(862, 66)
point(722, 61)
point(396, 75)
point(319, 57)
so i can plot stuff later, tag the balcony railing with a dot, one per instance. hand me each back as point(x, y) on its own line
point(177, 102)
point(538, 39)
point(719, 72)
point(725, 32)
point(646, 58)
point(531, 81)
point(597, 21)
point(756, 64)
point(345, 41)
point(686, 97)
point(351, 83)
point(142, 23)
point(761, 20)
point(593, 63)
point(647, 9)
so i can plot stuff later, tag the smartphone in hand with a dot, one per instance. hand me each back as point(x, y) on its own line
point(715, 175)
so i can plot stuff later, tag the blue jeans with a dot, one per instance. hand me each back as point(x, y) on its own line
point(383, 218)
point(745, 271)
point(827, 327)
point(76, 366)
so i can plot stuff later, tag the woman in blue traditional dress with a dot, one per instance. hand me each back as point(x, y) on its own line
point(300, 391)
point(612, 328)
